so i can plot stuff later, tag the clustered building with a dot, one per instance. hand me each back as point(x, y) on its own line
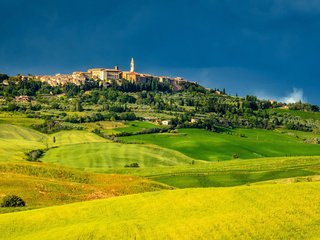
point(106, 75)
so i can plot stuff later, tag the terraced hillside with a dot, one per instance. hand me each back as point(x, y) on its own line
point(284, 211)
point(302, 114)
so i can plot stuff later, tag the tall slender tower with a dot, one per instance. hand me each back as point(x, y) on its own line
point(132, 65)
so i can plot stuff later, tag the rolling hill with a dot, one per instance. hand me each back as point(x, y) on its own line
point(43, 185)
point(15, 141)
point(246, 143)
point(110, 155)
point(254, 212)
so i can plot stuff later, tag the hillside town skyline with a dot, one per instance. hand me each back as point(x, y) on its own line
point(105, 75)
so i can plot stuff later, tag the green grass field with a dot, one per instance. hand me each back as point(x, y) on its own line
point(227, 179)
point(86, 150)
point(131, 127)
point(43, 185)
point(82, 149)
point(63, 138)
point(111, 155)
point(198, 144)
point(228, 173)
point(276, 211)
point(204, 145)
point(18, 119)
point(16, 140)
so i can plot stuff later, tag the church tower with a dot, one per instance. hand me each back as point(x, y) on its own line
point(132, 65)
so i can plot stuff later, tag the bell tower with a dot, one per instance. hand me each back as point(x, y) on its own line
point(132, 65)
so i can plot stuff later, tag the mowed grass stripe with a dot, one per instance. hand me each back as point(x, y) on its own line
point(8, 131)
point(106, 155)
point(19, 119)
point(281, 211)
point(73, 137)
point(16, 140)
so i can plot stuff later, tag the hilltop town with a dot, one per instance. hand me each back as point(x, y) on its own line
point(106, 76)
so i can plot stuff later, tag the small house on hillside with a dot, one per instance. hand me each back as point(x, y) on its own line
point(166, 122)
point(193, 120)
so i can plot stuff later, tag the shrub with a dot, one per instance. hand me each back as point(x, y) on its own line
point(132, 165)
point(129, 116)
point(34, 155)
point(12, 201)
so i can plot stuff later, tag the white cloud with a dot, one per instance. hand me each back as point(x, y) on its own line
point(295, 96)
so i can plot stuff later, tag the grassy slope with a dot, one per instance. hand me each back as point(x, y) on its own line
point(73, 137)
point(194, 143)
point(227, 179)
point(302, 114)
point(18, 119)
point(104, 155)
point(82, 149)
point(204, 145)
point(42, 185)
point(229, 173)
point(16, 140)
point(255, 212)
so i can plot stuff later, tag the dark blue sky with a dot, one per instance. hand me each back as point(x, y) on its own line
point(267, 48)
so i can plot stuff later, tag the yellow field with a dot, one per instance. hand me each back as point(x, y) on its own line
point(275, 211)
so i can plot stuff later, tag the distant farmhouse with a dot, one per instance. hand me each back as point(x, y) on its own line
point(107, 76)
point(166, 122)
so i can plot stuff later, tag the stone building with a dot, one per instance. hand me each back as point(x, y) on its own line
point(107, 75)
